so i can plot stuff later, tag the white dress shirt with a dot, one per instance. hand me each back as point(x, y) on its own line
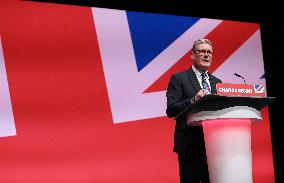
point(199, 76)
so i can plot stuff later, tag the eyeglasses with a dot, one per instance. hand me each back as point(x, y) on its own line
point(203, 52)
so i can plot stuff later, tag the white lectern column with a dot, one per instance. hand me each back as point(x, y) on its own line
point(227, 135)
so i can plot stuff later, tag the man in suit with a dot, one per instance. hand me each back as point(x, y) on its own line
point(184, 89)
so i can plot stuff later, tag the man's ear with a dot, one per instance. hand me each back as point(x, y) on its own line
point(192, 56)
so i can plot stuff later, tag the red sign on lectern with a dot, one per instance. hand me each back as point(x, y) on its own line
point(245, 90)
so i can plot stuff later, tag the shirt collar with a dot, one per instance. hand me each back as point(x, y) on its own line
point(197, 72)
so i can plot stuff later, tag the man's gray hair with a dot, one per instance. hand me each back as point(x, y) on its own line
point(200, 41)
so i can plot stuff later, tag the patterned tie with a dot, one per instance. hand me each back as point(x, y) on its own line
point(204, 82)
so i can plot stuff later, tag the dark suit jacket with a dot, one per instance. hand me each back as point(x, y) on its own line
point(183, 86)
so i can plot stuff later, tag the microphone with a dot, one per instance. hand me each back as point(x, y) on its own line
point(240, 77)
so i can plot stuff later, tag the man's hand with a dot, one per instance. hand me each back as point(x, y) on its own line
point(201, 94)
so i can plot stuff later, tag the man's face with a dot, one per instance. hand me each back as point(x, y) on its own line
point(202, 57)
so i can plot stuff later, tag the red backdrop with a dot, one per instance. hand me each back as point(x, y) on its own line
point(62, 114)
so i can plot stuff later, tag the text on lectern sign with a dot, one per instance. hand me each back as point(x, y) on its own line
point(246, 90)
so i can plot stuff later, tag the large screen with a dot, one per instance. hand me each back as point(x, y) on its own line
point(82, 91)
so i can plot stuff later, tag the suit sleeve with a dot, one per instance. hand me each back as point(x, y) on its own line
point(175, 98)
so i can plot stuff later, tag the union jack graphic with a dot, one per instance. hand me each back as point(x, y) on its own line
point(145, 49)
point(259, 89)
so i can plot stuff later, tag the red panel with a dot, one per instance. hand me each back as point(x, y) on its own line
point(263, 169)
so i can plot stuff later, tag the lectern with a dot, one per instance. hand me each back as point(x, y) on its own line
point(226, 122)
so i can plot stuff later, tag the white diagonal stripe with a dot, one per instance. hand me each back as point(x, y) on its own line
point(7, 124)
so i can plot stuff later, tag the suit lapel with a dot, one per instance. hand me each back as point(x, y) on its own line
point(193, 79)
point(212, 84)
